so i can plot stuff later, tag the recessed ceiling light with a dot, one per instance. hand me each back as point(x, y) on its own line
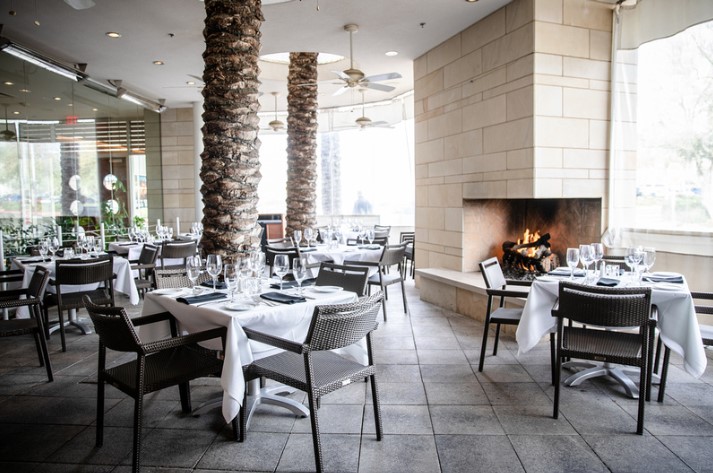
point(190, 82)
point(471, 1)
point(15, 112)
point(7, 82)
point(24, 91)
point(36, 22)
point(113, 34)
point(95, 110)
point(158, 63)
point(70, 105)
point(391, 53)
point(58, 98)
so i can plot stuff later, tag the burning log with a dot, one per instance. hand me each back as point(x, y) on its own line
point(531, 255)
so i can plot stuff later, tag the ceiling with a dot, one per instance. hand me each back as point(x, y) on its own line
point(172, 31)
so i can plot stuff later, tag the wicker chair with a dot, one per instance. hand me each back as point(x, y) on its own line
point(310, 366)
point(409, 256)
point(176, 278)
point(595, 308)
point(145, 265)
point(271, 252)
point(382, 231)
point(177, 249)
point(350, 278)
point(496, 287)
point(78, 272)
point(158, 365)
point(30, 297)
point(706, 336)
point(281, 243)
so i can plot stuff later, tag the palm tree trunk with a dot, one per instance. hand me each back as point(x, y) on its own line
point(301, 141)
point(230, 168)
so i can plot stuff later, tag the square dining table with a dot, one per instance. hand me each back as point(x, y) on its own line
point(677, 321)
point(289, 321)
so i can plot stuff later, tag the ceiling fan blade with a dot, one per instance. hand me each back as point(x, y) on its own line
point(381, 87)
point(340, 91)
point(196, 77)
point(80, 4)
point(383, 77)
point(341, 75)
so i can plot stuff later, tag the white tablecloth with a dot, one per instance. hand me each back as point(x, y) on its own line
point(123, 283)
point(286, 321)
point(132, 251)
point(677, 321)
point(343, 253)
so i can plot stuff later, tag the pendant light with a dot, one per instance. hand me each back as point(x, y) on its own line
point(7, 134)
point(276, 124)
point(363, 121)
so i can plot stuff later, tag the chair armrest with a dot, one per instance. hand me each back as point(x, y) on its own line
point(518, 282)
point(556, 308)
point(143, 266)
point(361, 263)
point(13, 293)
point(506, 293)
point(152, 318)
point(278, 342)
point(654, 317)
point(190, 339)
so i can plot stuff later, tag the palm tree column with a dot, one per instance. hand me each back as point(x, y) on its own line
point(301, 141)
point(230, 168)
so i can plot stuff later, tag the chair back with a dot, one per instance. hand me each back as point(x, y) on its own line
point(340, 325)
point(271, 252)
point(380, 240)
point(281, 243)
point(10, 276)
point(176, 278)
point(350, 278)
point(148, 255)
point(382, 230)
point(604, 306)
point(38, 283)
point(407, 237)
point(392, 254)
point(177, 249)
point(700, 307)
point(493, 273)
point(85, 271)
point(113, 326)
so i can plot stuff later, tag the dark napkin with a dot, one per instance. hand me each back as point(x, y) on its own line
point(566, 272)
point(607, 282)
point(673, 279)
point(291, 284)
point(211, 296)
point(282, 298)
point(218, 284)
point(305, 249)
point(34, 260)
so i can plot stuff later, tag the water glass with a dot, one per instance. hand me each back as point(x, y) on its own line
point(282, 266)
point(53, 246)
point(299, 272)
point(572, 260)
point(193, 271)
point(598, 249)
point(214, 265)
point(586, 256)
point(231, 278)
point(649, 258)
point(297, 236)
point(309, 235)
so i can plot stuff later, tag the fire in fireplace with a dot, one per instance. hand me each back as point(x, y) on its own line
point(529, 256)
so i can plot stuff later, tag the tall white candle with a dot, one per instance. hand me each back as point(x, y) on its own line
point(178, 226)
point(158, 222)
point(103, 236)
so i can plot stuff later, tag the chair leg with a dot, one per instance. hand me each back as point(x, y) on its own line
point(552, 356)
point(377, 406)
point(315, 432)
point(484, 345)
point(60, 317)
point(138, 417)
point(558, 368)
point(403, 295)
point(642, 398)
point(184, 389)
point(100, 412)
point(497, 339)
point(383, 303)
point(664, 373)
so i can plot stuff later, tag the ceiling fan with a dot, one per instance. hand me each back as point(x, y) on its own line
point(364, 121)
point(80, 4)
point(353, 77)
point(7, 134)
point(276, 124)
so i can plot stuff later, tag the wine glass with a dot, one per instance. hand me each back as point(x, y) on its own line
point(193, 270)
point(258, 264)
point(282, 266)
point(598, 256)
point(572, 260)
point(586, 256)
point(230, 276)
point(297, 236)
point(308, 234)
point(43, 249)
point(53, 246)
point(299, 271)
point(632, 258)
point(370, 235)
point(649, 258)
point(214, 265)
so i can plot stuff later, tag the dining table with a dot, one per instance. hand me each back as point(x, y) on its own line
point(341, 253)
point(287, 320)
point(677, 322)
point(131, 250)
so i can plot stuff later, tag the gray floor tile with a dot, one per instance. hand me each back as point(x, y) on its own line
point(532, 420)
point(502, 374)
point(399, 454)
point(468, 420)
point(516, 394)
point(695, 451)
point(455, 393)
point(398, 374)
point(441, 357)
point(468, 453)
point(413, 420)
point(339, 453)
point(622, 454)
point(447, 374)
point(259, 452)
point(548, 453)
point(334, 419)
point(400, 393)
point(173, 448)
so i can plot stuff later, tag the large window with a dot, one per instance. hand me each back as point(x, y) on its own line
point(674, 126)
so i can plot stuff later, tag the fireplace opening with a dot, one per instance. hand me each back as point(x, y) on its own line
point(529, 256)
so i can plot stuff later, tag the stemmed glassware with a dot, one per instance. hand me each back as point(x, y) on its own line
point(649, 258)
point(230, 276)
point(633, 258)
point(299, 271)
point(53, 246)
point(309, 235)
point(43, 249)
point(258, 264)
point(282, 267)
point(193, 270)
point(586, 256)
point(370, 235)
point(297, 236)
point(214, 266)
point(598, 249)
point(572, 260)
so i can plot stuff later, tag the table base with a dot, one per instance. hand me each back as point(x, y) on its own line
point(274, 396)
point(617, 372)
point(74, 321)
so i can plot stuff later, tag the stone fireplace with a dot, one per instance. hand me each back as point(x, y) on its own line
point(490, 222)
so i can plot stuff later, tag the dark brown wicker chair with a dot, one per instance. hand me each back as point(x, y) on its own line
point(310, 366)
point(176, 249)
point(392, 255)
point(176, 278)
point(30, 297)
point(409, 255)
point(271, 252)
point(79, 272)
point(158, 365)
point(497, 287)
point(701, 308)
point(350, 278)
point(145, 265)
point(589, 309)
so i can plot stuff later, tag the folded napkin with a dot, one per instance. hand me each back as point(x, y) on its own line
point(566, 272)
point(34, 260)
point(127, 243)
point(370, 247)
point(673, 279)
point(609, 282)
point(291, 284)
point(211, 296)
point(218, 284)
point(305, 250)
point(282, 298)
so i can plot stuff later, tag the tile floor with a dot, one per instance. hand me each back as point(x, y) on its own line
point(439, 414)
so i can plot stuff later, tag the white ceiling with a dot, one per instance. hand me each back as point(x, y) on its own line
point(172, 31)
